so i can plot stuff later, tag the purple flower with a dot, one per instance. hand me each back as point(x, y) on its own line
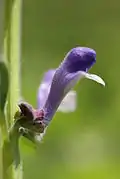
point(56, 85)
point(74, 67)
point(67, 105)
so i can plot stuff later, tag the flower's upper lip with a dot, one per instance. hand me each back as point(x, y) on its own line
point(86, 49)
point(80, 59)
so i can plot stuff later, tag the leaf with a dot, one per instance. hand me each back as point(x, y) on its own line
point(7, 155)
point(11, 153)
point(14, 137)
point(4, 83)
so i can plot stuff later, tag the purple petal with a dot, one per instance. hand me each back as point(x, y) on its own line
point(44, 88)
point(80, 59)
point(48, 76)
point(68, 73)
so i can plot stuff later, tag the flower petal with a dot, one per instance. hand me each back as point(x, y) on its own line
point(94, 78)
point(83, 59)
point(69, 102)
point(44, 88)
point(66, 76)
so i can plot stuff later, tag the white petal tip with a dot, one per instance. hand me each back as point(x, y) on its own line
point(98, 79)
point(94, 78)
point(103, 83)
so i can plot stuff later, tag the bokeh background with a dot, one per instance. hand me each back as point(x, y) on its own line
point(84, 144)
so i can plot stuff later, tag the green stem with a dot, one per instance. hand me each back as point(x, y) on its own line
point(15, 56)
point(12, 51)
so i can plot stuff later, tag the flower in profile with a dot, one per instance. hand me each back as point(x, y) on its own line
point(75, 66)
point(59, 83)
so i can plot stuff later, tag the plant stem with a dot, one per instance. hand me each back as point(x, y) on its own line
point(15, 56)
point(12, 51)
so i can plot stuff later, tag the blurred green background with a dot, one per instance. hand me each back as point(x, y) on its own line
point(84, 144)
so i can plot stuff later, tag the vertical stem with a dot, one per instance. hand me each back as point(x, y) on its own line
point(15, 56)
point(14, 66)
point(2, 7)
point(12, 51)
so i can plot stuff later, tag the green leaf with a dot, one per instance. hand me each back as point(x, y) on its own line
point(11, 153)
point(7, 155)
point(14, 136)
point(4, 83)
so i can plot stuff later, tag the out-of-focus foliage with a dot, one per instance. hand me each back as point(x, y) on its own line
point(3, 84)
point(84, 144)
